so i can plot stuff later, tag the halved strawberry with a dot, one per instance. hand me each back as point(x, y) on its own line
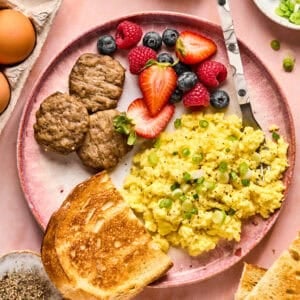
point(145, 125)
point(157, 83)
point(192, 48)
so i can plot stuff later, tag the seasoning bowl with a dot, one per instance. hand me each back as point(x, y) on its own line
point(22, 276)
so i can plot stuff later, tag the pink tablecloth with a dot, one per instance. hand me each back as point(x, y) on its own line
point(18, 229)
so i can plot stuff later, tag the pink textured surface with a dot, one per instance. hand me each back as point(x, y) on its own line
point(18, 228)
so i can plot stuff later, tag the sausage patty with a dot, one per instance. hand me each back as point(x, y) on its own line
point(61, 123)
point(103, 147)
point(97, 80)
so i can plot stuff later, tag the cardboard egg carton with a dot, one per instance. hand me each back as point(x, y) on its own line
point(41, 13)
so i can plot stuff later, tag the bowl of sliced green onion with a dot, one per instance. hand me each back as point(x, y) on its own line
point(283, 12)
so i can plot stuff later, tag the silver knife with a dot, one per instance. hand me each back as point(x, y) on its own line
point(235, 61)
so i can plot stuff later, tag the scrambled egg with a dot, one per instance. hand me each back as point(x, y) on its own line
point(195, 185)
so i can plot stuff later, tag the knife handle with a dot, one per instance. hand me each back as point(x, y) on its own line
point(233, 51)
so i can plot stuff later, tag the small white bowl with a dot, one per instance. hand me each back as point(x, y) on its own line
point(25, 261)
point(267, 7)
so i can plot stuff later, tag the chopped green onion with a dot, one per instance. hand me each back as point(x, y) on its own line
point(153, 159)
point(209, 185)
point(203, 123)
point(175, 186)
point(185, 151)
point(233, 176)
point(218, 216)
point(187, 176)
point(177, 193)
point(175, 153)
point(196, 196)
point(223, 166)
point(182, 198)
point(227, 150)
point(275, 136)
point(157, 143)
point(287, 9)
point(245, 182)
point(177, 123)
point(223, 177)
point(185, 187)
point(288, 63)
point(243, 168)
point(194, 210)
point(165, 203)
point(196, 159)
point(275, 45)
point(232, 138)
point(200, 180)
point(188, 214)
point(230, 212)
point(187, 205)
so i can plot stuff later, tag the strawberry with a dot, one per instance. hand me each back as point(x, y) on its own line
point(192, 48)
point(211, 73)
point(145, 125)
point(197, 97)
point(157, 83)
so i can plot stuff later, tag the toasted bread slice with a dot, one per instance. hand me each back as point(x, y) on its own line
point(250, 277)
point(96, 248)
point(282, 280)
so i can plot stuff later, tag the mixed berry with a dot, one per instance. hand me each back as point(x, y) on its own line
point(186, 74)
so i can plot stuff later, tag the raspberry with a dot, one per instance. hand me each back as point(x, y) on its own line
point(138, 57)
point(198, 96)
point(211, 73)
point(128, 34)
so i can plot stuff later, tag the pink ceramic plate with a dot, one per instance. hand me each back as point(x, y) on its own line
point(47, 178)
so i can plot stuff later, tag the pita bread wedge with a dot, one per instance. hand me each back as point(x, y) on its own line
point(282, 280)
point(250, 277)
point(96, 248)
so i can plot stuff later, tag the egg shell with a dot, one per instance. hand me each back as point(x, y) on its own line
point(17, 36)
point(4, 92)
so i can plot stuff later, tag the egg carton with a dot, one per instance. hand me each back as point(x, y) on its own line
point(41, 13)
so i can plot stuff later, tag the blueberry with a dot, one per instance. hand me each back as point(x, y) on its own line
point(186, 81)
point(165, 58)
point(152, 40)
point(181, 68)
point(106, 44)
point(219, 99)
point(170, 37)
point(176, 96)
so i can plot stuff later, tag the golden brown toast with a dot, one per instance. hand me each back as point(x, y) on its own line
point(282, 280)
point(250, 277)
point(96, 248)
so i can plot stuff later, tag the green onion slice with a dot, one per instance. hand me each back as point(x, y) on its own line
point(223, 166)
point(165, 203)
point(177, 123)
point(243, 168)
point(203, 123)
point(218, 216)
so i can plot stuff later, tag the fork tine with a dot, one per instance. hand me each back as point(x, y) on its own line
point(248, 117)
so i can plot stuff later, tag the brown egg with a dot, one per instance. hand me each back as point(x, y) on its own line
point(4, 92)
point(17, 36)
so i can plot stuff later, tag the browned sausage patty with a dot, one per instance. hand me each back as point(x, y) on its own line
point(97, 80)
point(103, 147)
point(61, 123)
